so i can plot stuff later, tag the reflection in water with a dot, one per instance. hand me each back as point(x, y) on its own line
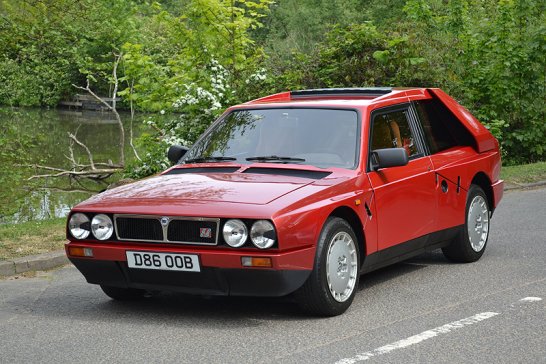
point(38, 136)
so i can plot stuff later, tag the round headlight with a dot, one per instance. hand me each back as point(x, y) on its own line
point(263, 234)
point(102, 227)
point(235, 233)
point(78, 225)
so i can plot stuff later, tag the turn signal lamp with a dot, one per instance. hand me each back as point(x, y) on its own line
point(80, 252)
point(256, 262)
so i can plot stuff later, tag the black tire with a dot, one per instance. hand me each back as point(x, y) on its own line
point(460, 250)
point(123, 294)
point(315, 297)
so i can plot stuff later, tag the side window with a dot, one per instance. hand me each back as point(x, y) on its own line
point(441, 127)
point(392, 130)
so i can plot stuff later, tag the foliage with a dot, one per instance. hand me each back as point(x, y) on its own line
point(504, 79)
point(355, 56)
point(186, 60)
point(12, 145)
point(194, 65)
point(488, 55)
point(45, 43)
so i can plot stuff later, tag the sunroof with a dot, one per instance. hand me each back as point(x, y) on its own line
point(325, 92)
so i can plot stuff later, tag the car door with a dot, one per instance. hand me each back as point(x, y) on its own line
point(449, 145)
point(405, 196)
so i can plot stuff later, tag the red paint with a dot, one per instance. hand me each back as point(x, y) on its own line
point(405, 202)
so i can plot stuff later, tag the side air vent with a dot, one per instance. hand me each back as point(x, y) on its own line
point(202, 170)
point(356, 92)
point(289, 172)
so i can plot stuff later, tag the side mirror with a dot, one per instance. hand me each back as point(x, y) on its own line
point(389, 157)
point(176, 152)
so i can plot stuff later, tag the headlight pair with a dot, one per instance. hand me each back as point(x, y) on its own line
point(101, 226)
point(262, 233)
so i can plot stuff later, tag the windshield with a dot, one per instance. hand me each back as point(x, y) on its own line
point(320, 137)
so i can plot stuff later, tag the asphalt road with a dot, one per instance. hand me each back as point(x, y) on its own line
point(425, 310)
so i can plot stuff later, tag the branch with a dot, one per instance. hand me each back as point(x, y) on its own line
point(86, 88)
point(156, 128)
point(58, 189)
point(132, 118)
point(41, 167)
point(112, 107)
point(89, 155)
point(118, 118)
point(94, 174)
point(115, 75)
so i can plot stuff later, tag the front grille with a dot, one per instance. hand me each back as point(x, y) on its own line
point(180, 230)
point(139, 229)
point(203, 232)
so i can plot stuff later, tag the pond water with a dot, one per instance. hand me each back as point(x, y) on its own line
point(38, 136)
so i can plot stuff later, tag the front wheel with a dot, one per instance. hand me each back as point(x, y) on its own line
point(470, 243)
point(331, 287)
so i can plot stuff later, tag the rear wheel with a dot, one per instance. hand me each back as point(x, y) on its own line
point(123, 294)
point(470, 244)
point(331, 287)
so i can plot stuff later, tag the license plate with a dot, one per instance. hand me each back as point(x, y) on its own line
point(163, 261)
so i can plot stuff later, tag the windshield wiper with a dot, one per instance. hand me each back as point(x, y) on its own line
point(275, 158)
point(209, 159)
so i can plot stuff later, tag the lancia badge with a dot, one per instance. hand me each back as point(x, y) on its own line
point(164, 221)
point(205, 232)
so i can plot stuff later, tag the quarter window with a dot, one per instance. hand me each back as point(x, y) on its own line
point(442, 129)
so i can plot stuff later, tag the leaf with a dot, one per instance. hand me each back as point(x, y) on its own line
point(417, 60)
point(381, 56)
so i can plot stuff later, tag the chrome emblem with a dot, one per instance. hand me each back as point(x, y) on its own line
point(164, 221)
point(205, 232)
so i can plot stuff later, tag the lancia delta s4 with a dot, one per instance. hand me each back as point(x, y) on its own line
point(298, 193)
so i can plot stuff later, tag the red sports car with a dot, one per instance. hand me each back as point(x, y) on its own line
point(298, 193)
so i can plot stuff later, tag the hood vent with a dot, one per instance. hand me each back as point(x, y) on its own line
point(289, 172)
point(201, 170)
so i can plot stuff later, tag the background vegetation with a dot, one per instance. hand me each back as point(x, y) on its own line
point(193, 58)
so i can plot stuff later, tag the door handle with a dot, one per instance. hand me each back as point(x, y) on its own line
point(444, 186)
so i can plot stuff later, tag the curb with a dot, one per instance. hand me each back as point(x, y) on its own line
point(521, 186)
point(33, 263)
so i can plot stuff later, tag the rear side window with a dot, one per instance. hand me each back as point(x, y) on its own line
point(442, 129)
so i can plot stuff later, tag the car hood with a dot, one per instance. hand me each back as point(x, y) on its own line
point(238, 188)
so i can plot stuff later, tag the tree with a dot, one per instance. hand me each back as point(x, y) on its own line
point(193, 64)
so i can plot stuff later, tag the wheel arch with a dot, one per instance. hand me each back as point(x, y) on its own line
point(481, 179)
point(348, 214)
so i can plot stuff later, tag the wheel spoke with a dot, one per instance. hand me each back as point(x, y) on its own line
point(478, 223)
point(341, 265)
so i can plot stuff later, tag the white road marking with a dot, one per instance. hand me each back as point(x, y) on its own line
point(531, 299)
point(415, 339)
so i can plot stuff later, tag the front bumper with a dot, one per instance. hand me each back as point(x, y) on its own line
point(210, 281)
point(221, 271)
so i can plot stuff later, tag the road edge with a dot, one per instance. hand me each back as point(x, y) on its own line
point(509, 186)
point(33, 263)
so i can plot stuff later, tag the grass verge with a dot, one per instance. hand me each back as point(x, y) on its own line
point(525, 173)
point(33, 237)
